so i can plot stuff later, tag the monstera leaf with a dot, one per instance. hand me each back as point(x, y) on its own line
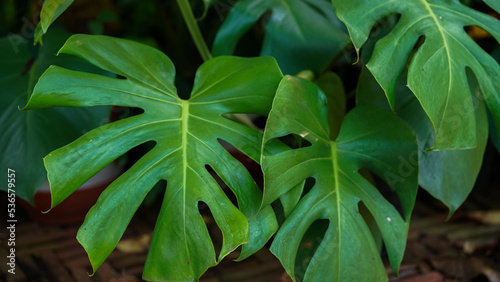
point(437, 71)
point(448, 175)
point(29, 136)
point(186, 133)
point(51, 10)
point(369, 138)
point(300, 34)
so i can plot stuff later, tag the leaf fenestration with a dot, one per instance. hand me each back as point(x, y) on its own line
point(186, 133)
point(369, 138)
point(437, 71)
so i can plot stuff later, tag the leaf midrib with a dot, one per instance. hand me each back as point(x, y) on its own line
point(448, 56)
point(334, 156)
point(184, 133)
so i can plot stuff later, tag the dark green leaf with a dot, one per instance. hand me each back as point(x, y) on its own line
point(447, 175)
point(437, 71)
point(300, 34)
point(29, 136)
point(369, 138)
point(186, 134)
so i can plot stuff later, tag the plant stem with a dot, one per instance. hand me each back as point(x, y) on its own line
point(190, 20)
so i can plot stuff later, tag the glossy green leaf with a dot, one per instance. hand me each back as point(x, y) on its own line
point(186, 134)
point(437, 71)
point(369, 138)
point(448, 175)
point(28, 136)
point(332, 86)
point(299, 34)
point(51, 10)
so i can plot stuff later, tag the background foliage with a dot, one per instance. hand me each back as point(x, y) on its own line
point(421, 99)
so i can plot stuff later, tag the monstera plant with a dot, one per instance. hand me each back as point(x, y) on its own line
point(424, 87)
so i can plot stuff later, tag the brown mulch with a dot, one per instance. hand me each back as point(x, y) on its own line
point(465, 248)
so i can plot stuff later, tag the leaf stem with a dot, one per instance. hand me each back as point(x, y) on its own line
point(190, 20)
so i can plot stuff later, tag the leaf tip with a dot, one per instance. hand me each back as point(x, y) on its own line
point(47, 211)
point(95, 264)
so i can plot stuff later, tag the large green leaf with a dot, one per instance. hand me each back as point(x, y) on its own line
point(28, 136)
point(300, 34)
point(51, 10)
point(186, 134)
point(369, 138)
point(448, 175)
point(437, 71)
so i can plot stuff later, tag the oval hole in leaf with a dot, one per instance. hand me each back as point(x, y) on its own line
point(482, 38)
point(295, 141)
point(252, 166)
point(372, 225)
point(136, 153)
point(118, 113)
point(155, 193)
point(308, 246)
point(310, 182)
point(385, 190)
point(289, 200)
point(212, 227)
point(251, 120)
point(230, 195)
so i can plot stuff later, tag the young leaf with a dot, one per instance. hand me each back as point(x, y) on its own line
point(29, 136)
point(369, 138)
point(437, 72)
point(51, 10)
point(300, 34)
point(186, 134)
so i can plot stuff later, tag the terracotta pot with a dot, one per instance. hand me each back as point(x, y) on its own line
point(74, 208)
